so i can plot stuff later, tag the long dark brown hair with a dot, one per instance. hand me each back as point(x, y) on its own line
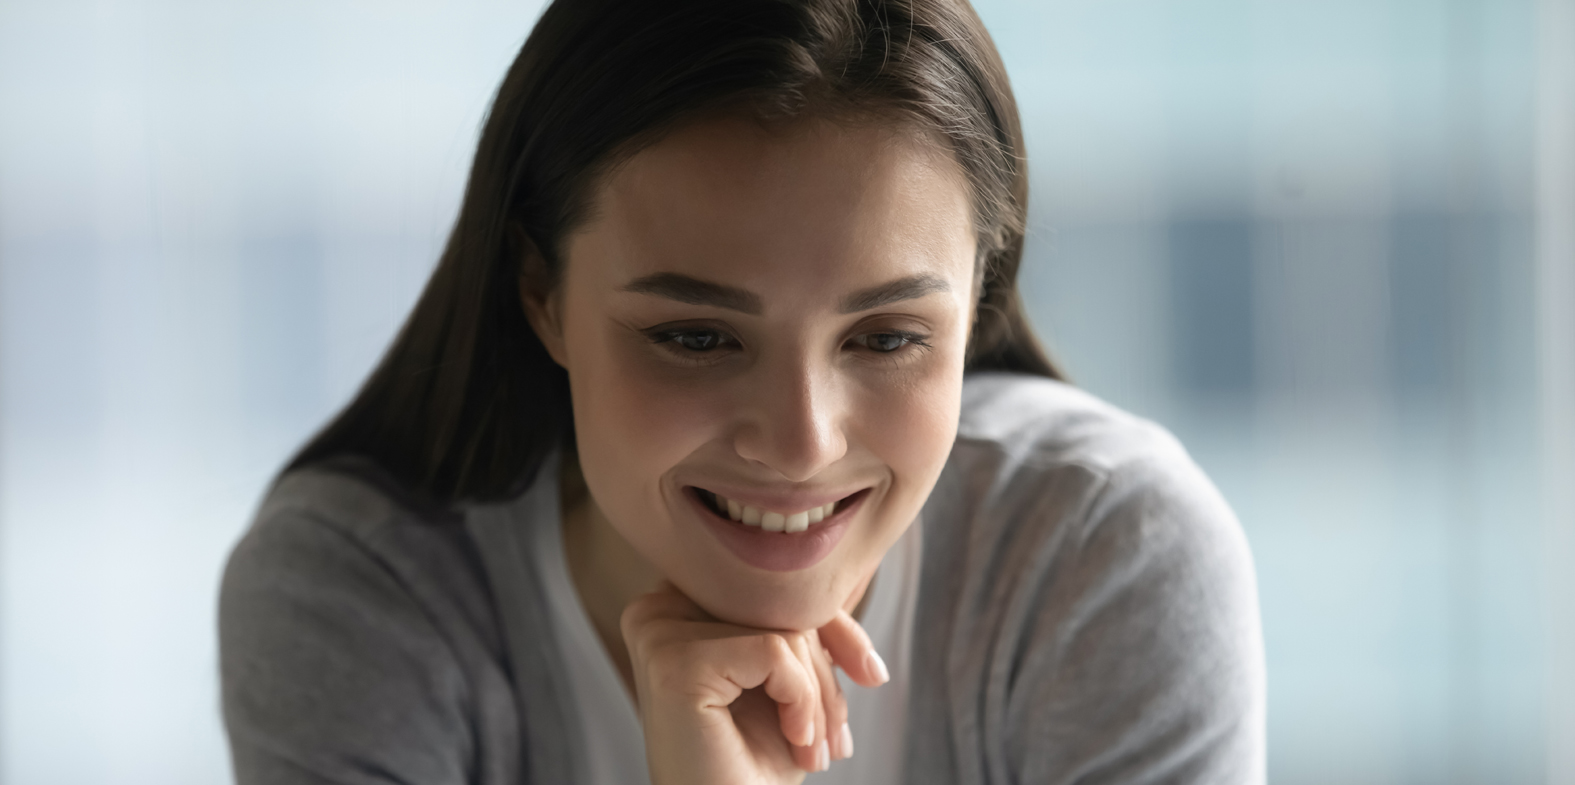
point(467, 403)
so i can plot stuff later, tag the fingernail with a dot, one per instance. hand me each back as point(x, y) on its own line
point(873, 662)
point(845, 741)
point(822, 756)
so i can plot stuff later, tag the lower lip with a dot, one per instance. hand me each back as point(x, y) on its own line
point(778, 551)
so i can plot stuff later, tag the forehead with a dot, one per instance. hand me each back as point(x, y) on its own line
point(816, 201)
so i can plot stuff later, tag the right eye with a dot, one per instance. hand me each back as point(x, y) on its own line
point(697, 340)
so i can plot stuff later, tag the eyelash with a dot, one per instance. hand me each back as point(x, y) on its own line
point(912, 341)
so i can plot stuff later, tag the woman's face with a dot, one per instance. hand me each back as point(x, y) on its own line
point(775, 317)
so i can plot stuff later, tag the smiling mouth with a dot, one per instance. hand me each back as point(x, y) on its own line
point(771, 520)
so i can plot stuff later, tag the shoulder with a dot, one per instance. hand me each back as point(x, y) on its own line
point(1041, 463)
point(1112, 583)
point(336, 528)
point(353, 629)
point(1026, 439)
point(336, 532)
point(349, 497)
point(1043, 422)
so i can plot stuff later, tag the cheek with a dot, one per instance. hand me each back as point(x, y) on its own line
point(911, 421)
point(911, 432)
point(910, 426)
point(640, 411)
point(633, 421)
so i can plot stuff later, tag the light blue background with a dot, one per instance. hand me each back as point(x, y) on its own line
point(1298, 233)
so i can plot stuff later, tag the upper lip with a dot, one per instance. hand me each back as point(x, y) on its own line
point(783, 501)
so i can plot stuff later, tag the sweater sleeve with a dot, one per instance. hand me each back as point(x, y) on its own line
point(332, 672)
point(1143, 659)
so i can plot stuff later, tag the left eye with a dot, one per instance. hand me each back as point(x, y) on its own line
point(884, 342)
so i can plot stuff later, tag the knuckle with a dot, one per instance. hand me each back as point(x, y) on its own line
point(629, 624)
point(775, 646)
point(649, 639)
point(836, 708)
point(635, 615)
point(795, 643)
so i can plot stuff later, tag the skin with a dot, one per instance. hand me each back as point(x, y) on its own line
point(798, 387)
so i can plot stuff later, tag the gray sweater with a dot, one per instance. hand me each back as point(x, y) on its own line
point(1087, 614)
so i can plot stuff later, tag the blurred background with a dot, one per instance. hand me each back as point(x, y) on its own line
point(1329, 243)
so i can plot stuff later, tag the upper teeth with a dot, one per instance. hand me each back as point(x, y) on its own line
point(773, 521)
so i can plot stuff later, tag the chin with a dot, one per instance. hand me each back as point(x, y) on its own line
point(756, 608)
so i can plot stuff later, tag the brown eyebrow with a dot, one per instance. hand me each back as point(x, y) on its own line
point(694, 291)
point(909, 288)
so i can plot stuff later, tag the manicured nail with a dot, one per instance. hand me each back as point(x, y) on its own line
point(822, 756)
point(873, 662)
point(845, 741)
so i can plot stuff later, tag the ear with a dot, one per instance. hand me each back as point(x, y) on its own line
point(540, 298)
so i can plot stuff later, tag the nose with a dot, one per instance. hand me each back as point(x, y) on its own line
point(793, 423)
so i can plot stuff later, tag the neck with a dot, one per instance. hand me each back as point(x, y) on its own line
point(608, 572)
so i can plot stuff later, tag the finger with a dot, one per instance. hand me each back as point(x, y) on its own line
point(853, 652)
point(815, 756)
point(787, 681)
point(833, 703)
point(715, 672)
point(732, 696)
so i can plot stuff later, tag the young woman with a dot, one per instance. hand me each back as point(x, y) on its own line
point(720, 386)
